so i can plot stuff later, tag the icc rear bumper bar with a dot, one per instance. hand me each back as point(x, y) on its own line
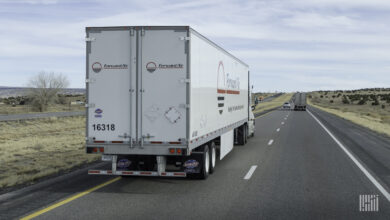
point(136, 173)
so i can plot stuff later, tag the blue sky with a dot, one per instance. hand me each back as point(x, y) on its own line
point(295, 45)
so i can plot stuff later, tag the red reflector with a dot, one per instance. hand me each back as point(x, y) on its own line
point(179, 174)
point(109, 171)
point(95, 150)
point(93, 171)
point(156, 142)
point(172, 150)
point(174, 142)
point(178, 150)
point(99, 142)
point(117, 142)
point(127, 172)
point(101, 149)
point(146, 173)
point(163, 174)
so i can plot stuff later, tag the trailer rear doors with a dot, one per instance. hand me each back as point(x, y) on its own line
point(137, 85)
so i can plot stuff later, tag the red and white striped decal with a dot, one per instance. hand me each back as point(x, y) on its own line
point(136, 173)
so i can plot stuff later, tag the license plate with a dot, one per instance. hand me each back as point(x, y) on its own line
point(106, 157)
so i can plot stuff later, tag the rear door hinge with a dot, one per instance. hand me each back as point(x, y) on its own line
point(184, 38)
point(90, 80)
point(185, 80)
point(90, 105)
point(90, 39)
point(184, 105)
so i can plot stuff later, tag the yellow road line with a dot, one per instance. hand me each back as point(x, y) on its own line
point(63, 202)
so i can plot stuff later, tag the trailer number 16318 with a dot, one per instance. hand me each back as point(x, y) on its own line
point(103, 127)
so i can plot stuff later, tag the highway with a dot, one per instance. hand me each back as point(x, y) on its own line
point(299, 165)
point(14, 117)
point(39, 115)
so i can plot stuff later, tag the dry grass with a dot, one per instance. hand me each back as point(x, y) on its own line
point(372, 117)
point(32, 149)
point(264, 106)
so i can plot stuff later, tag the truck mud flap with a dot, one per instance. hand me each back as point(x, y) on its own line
point(193, 163)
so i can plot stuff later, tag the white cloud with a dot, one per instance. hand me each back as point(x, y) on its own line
point(277, 38)
point(33, 2)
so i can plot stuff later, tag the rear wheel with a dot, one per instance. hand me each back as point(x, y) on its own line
point(213, 157)
point(204, 172)
point(245, 134)
point(240, 135)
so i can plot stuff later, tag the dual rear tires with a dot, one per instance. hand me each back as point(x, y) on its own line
point(209, 159)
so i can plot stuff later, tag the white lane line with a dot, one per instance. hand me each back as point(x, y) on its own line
point(277, 130)
point(250, 172)
point(282, 122)
point(357, 163)
point(270, 142)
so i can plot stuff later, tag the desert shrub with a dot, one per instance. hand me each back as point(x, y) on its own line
point(321, 96)
point(345, 100)
point(331, 101)
point(383, 106)
point(333, 96)
point(362, 102)
point(44, 89)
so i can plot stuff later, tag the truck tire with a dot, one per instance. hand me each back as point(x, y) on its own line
point(204, 171)
point(245, 133)
point(213, 157)
point(240, 135)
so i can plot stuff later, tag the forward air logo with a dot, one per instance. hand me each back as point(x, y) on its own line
point(152, 66)
point(221, 87)
point(97, 67)
point(226, 84)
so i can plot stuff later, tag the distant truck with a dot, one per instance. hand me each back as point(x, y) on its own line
point(163, 101)
point(300, 101)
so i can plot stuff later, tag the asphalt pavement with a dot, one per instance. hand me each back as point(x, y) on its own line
point(292, 169)
point(14, 117)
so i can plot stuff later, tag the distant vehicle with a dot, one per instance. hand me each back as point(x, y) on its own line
point(286, 106)
point(163, 101)
point(300, 101)
point(77, 103)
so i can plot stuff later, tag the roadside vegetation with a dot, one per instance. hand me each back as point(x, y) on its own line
point(23, 105)
point(44, 95)
point(274, 103)
point(31, 149)
point(367, 107)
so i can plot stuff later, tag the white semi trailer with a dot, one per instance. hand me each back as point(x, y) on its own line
point(163, 101)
